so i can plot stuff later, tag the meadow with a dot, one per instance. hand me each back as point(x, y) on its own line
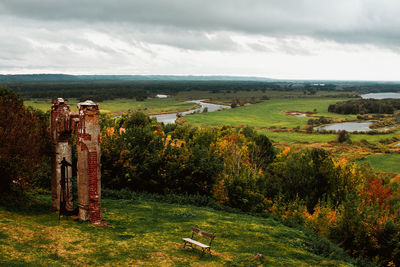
point(154, 105)
point(176, 102)
point(294, 137)
point(227, 96)
point(144, 232)
point(269, 113)
point(266, 114)
point(385, 162)
point(267, 117)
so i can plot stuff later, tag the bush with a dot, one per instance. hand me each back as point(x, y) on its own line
point(343, 136)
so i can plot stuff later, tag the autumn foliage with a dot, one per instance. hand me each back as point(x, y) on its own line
point(237, 167)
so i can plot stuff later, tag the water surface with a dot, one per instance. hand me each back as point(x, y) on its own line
point(347, 126)
point(380, 95)
point(171, 117)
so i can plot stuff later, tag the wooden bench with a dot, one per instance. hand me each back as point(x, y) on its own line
point(191, 241)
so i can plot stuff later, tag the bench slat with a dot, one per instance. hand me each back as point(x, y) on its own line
point(202, 233)
point(195, 242)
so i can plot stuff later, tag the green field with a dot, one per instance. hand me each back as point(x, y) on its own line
point(154, 105)
point(385, 162)
point(149, 233)
point(293, 137)
point(269, 113)
point(226, 97)
point(176, 102)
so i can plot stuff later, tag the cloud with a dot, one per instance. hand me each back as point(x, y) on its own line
point(255, 37)
point(351, 21)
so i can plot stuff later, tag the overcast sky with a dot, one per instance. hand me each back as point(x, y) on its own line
point(288, 39)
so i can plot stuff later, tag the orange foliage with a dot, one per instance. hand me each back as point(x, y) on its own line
point(375, 192)
point(110, 131)
point(173, 142)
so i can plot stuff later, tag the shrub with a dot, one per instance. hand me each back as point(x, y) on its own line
point(343, 136)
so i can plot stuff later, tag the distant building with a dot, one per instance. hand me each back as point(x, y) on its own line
point(161, 96)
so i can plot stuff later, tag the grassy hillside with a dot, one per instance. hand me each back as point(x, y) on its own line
point(385, 162)
point(150, 233)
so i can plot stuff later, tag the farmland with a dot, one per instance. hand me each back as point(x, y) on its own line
point(268, 117)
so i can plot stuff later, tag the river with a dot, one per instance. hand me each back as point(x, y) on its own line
point(171, 117)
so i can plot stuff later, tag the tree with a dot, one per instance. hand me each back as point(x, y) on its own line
point(24, 142)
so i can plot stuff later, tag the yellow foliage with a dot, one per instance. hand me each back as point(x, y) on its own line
point(219, 192)
point(322, 220)
point(234, 150)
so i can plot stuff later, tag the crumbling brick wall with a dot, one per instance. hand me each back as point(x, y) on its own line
point(61, 138)
point(86, 126)
point(88, 147)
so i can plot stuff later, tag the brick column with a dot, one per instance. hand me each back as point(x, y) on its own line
point(88, 148)
point(61, 138)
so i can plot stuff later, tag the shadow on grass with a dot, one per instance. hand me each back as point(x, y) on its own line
point(28, 206)
point(190, 252)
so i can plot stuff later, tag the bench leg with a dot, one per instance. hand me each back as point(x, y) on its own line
point(184, 244)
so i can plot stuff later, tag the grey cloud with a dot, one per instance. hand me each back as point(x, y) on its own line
point(13, 49)
point(355, 21)
point(286, 45)
point(173, 36)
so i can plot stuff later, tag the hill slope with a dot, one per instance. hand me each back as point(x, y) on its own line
point(150, 233)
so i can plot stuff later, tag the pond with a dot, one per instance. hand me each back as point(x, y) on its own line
point(380, 95)
point(352, 127)
point(171, 117)
point(347, 126)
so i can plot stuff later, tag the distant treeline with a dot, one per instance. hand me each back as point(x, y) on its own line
point(99, 91)
point(109, 87)
point(364, 106)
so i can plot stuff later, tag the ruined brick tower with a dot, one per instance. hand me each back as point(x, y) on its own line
point(88, 147)
point(85, 125)
point(60, 128)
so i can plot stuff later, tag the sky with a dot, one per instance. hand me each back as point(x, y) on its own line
point(282, 39)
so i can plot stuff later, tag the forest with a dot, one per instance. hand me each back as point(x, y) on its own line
point(236, 167)
point(365, 106)
point(140, 90)
point(102, 87)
